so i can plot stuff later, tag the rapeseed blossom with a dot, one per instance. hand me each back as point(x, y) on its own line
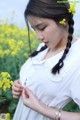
point(63, 22)
point(5, 81)
point(72, 8)
point(4, 116)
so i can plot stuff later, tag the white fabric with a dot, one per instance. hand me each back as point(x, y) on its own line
point(54, 90)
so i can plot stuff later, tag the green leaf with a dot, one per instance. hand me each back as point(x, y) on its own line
point(0, 92)
point(8, 94)
point(12, 105)
point(71, 106)
point(2, 100)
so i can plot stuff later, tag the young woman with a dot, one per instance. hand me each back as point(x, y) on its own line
point(50, 78)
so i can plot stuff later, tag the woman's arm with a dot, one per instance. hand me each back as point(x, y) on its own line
point(51, 113)
point(34, 103)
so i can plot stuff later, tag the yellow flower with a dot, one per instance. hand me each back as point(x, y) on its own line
point(11, 82)
point(5, 82)
point(7, 52)
point(12, 44)
point(1, 84)
point(26, 55)
point(5, 74)
point(4, 116)
point(20, 44)
point(72, 8)
point(8, 117)
point(63, 22)
point(6, 85)
point(1, 54)
point(14, 53)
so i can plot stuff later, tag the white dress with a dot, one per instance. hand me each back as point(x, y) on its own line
point(54, 90)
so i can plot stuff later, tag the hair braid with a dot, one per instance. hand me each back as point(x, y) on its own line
point(36, 52)
point(60, 64)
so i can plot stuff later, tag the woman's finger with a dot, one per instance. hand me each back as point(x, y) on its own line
point(14, 96)
point(20, 88)
point(16, 93)
point(27, 89)
point(17, 83)
point(24, 93)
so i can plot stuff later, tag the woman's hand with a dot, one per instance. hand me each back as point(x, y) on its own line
point(31, 101)
point(17, 89)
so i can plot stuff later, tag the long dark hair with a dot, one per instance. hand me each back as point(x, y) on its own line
point(56, 11)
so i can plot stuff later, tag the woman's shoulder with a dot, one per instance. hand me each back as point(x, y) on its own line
point(76, 44)
point(73, 57)
point(74, 50)
point(71, 63)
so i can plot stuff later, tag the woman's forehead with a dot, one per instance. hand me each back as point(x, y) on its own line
point(38, 20)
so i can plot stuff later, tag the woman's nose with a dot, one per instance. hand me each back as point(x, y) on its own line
point(39, 36)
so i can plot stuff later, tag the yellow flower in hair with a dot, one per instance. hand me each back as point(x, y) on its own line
point(63, 22)
point(72, 8)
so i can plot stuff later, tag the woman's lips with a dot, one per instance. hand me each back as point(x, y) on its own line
point(46, 43)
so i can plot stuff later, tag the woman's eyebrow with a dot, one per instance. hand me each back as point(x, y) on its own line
point(37, 25)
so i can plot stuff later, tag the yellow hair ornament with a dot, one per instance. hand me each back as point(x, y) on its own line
point(63, 22)
point(72, 8)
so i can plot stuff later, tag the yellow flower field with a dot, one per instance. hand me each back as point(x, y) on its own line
point(14, 51)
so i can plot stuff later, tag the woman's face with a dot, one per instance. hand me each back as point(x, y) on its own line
point(48, 31)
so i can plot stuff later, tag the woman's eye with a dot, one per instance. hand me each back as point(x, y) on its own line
point(42, 28)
